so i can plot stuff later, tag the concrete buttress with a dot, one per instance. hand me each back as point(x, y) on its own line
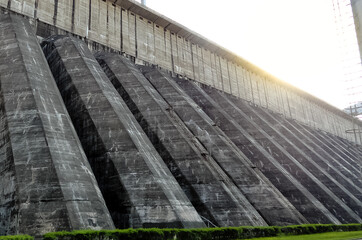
point(162, 129)
point(253, 184)
point(252, 134)
point(46, 181)
point(139, 189)
point(211, 191)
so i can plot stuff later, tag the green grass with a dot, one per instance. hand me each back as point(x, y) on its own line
point(16, 237)
point(319, 236)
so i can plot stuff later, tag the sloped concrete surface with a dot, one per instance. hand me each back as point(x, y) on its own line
point(262, 195)
point(46, 181)
point(139, 188)
point(207, 186)
point(141, 148)
point(339, 202)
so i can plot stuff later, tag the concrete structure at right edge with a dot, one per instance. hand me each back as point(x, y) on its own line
point(357, 15)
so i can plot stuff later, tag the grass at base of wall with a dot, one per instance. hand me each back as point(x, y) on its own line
point(227, 233)
point(317, 236)
point(16, 237)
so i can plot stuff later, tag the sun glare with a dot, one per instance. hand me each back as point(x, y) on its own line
point(293, 40)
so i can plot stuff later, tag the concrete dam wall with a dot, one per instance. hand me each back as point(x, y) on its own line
point(91, 140)
point(148, 37)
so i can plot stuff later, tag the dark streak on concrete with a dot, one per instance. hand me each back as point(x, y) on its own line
point(55, 14)
point(90, 15)
point(73, 14)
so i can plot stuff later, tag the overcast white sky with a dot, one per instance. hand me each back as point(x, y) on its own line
point(295, 40)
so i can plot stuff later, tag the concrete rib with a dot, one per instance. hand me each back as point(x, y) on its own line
point(348, 146)
point(55, 187)
point(154, 198)
point(300, 166)
point(219, 147)
point(328, 180)
point(332, 158)
point(318, 205)
point(331, 151)
point(336, 147)
point(318, 156)
point(356, 157)
point(228, 207)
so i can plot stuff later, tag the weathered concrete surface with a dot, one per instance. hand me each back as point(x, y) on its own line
point(252, 134)
point(128, 27)
point(350, 149)
point(343, 166)
point(345, 155)
point(334, 195)
point(325, 161)
point(139, 189)
point(270, 203)
point(46, 181)
point(225, 157)
point(260, 155)
point(211, 191)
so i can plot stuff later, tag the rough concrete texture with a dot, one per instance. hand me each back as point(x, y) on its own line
point(309, 180)
point(272, 205)
point(139, 189)
point(128, 27)
point(46, 181)
point(203, 180)
point(165, 152)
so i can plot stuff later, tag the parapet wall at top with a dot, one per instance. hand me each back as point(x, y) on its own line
point(135, 30)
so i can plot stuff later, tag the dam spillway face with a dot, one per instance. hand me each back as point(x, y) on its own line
point(91, 140)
